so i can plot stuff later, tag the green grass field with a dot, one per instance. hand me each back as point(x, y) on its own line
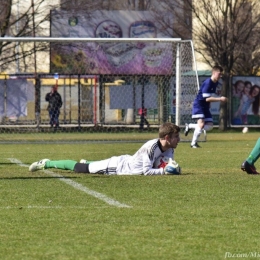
point(211, 211)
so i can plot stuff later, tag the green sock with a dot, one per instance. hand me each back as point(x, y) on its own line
point(62, 164)
point(255, 153)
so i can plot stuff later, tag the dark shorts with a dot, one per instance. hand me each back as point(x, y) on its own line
point(201, 112)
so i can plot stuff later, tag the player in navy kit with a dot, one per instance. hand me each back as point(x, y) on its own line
point(201, 106)
point(141, 163)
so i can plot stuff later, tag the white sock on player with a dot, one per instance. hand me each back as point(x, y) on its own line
point(196, 135)
point(192, 126)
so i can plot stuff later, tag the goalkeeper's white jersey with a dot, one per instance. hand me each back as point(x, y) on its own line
point(139, 163)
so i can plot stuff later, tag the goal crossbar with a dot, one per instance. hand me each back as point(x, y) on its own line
point(66, 39)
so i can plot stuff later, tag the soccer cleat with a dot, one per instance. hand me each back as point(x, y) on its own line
point(250, 169)
point(195, 145)
point(186, 129)
point(36, 166)
point(83, 161)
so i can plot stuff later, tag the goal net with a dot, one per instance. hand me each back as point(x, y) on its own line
point(107, 85)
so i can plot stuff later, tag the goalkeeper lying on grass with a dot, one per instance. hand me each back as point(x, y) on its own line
point(141, 163)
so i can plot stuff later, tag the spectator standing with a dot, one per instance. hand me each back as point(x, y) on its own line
point(142, 112)
point(55, 103)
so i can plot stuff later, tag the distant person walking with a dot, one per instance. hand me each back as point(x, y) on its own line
point(55, 103)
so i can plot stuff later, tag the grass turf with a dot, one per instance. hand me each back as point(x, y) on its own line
point(209, 212)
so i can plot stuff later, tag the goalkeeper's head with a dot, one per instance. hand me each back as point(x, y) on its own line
point(168, 129)
point(169, 135)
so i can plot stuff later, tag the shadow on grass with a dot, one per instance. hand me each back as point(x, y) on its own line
point(10, 163)
point(37, 177)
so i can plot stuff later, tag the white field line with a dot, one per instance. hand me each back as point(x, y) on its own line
point(78, 186)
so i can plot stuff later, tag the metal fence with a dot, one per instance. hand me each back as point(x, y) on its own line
point(87, 100)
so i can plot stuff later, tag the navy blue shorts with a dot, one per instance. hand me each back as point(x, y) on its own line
point(199, 111)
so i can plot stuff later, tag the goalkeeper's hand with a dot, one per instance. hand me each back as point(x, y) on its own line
point(172, 168)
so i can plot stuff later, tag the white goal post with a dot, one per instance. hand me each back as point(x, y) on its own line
point(126, 81)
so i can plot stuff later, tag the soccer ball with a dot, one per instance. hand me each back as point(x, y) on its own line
point(245, 130)
point(161, 162)
point(172, 168)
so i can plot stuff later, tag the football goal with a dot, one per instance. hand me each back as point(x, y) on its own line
point(107, 85)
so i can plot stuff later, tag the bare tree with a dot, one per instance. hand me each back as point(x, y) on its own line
point(225, 32)
point(5, 13)
point(20, 20)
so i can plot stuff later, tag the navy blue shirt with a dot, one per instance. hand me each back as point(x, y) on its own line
point(207, 89)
